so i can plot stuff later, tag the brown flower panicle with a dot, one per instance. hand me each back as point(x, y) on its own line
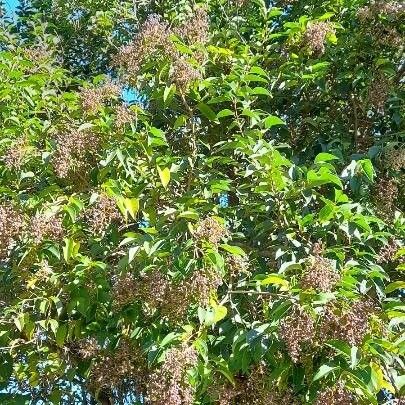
point(211, 230)
point(169, 383)
point(73, 152)
point(153, 36)
point(296, 330)
point(102, 214)
point(14, 156)
point(184, 74)
point(336, 395)
point(46, 227)
point(320, 275)
point(93, 98)
point(195, 29)
point(387, 253)
point(348, 325)
point(124, 116)
point(111, 369)
point(315, 36)
point(11, 226)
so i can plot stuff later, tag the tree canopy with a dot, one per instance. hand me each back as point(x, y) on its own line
point(234, 235)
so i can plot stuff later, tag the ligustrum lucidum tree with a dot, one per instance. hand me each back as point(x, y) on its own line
point(235, 236)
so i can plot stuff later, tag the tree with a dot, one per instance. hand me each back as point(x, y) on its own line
point(235, 238)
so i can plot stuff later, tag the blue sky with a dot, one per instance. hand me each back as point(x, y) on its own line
point(11, 6)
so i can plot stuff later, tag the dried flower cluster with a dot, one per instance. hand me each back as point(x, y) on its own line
point(315, 36)
point(102, 214)
point(378, 92)
point(46, 227)
point(393, 9)
point(11, 225)
point(395, 159)
point(237, 265)
point(14, 156)
point(124, 291)
point(85, 349)
point(211, 230)
point(111, 369)
point(38, 54)
point(183, 74)
point(93, 98)
point(169, 383)
point(72, 152)
point(336, 395)
point(154, 38)
point(251, 389)
point(296, 330)
point(196, 28)
point(124, 116)
point(320, 275)
point(388, 252)
point(154, 35)
point(350, 325)
point(385, 195)
point(44, 272)
point(155, 291)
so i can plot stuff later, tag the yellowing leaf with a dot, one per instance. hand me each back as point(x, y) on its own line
point(131, 206)
point(276, 280)
point(164, 176)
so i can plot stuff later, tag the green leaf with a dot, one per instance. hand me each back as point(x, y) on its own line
point(70, 250)
point(324, 370)
point(272, 120)
point(132, 206)
point(207, 112)
point(321, 177)
point(61, 335)
point(164, 176)
point(325, 157)
point(235, 250)
point(260, 91)
point(394, 286)
point(225, 113)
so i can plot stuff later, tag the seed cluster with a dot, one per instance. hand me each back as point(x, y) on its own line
point(211, 230)
point(124, 291)
point(85, 349)
point(93, 98)
point(11, 225)
point(46, 227)
point(378, 92)
point(336, 395)
point(385, 195)
point(320, 275)
point(237, 265)
point(153, 36)
point(315, 36)
point(124, 116)
point(252, 389)
point(14, 157)
point(350, 325)
point(111, 369)
point(372, 11)
point(387, 253)
point(157, 293)
point(154, 39)
point(102, 214)
point(296, 330)
point(395, 159)
point(169, 383)
point(183, 74)
point(195, 29)
point(72, 152)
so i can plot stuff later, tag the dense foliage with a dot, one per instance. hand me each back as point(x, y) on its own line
point(233, 237)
